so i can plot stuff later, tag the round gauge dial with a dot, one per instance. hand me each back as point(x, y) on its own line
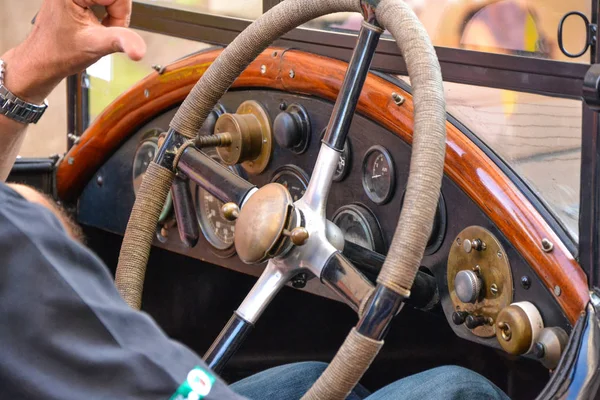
point(293, 178)
point(378, 175)
point(144, 155)
point(359, 226)
point(218, 231)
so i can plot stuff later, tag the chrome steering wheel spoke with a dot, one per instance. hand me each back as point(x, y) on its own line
point(271, 215)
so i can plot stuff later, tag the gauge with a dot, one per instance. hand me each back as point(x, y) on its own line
point(360, 226)
point(344, 161)
point(378, 175)
point(218, 231)
point(144, 155)
point(293, 178)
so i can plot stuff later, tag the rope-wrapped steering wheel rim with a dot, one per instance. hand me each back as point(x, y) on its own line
point(424, 181)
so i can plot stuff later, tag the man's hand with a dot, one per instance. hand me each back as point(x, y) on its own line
point(67, 38)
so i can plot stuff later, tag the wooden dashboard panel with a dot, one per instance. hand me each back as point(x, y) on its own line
point(466, 164)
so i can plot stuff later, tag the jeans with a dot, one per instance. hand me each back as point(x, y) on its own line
point(290, 382)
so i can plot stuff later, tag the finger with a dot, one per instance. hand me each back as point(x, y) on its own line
point(119, 12)
point(105, 41)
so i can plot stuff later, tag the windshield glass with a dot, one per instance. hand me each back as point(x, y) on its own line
point(516, 27)
point(539, 137)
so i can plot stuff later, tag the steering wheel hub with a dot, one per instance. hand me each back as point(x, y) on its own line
point(260, 230)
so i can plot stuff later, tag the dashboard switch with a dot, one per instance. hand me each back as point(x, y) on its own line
point(467, 285)
point(459, 317)
point(474, 321)
point(291, 128)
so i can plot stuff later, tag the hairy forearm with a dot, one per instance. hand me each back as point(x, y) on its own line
point(11, 136)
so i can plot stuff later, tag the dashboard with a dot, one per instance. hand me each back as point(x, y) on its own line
point(365, 203)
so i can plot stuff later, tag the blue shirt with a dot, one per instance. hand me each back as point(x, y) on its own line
point(65, 332)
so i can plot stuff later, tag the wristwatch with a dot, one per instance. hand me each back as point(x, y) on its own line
point(16, 108)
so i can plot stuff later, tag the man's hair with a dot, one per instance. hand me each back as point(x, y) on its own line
point(33, 196)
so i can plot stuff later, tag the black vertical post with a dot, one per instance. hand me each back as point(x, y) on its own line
point(77, 106)
point(268, 4)
point(589, 212)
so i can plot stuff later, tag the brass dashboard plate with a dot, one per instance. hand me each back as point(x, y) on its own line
point(493, 268)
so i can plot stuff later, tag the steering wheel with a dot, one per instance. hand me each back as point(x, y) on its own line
point(295, 236)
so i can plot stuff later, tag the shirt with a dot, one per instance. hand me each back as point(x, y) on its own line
point(66, 333)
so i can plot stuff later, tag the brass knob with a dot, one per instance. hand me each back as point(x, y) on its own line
point(230, 211)
point(518, 327)
point(298, 235)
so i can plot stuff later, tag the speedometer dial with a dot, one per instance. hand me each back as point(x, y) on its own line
point(293, 178)
point(378, 175)
point(218, 231)
point(359, 226)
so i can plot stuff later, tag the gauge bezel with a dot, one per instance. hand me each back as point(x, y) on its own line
point(151, 136)
point(391, 190)
point(224, 252)
point(371, 221)
point(293, 170)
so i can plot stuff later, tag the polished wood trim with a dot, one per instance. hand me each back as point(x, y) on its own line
point(466, 164)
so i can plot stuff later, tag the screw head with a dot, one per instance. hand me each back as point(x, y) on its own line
point(557, 290)
point(399, 100)
point(146, 93)
point(525, 282)
point(299, 281)
point(547, 245)
point(100, 180)
point(263, 69)
point(494, 289)
point(70, 161)
point(292, 74)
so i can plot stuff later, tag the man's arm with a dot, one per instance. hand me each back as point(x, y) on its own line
point(66, 38)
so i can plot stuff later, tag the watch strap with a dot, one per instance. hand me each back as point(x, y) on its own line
point(15, 108)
